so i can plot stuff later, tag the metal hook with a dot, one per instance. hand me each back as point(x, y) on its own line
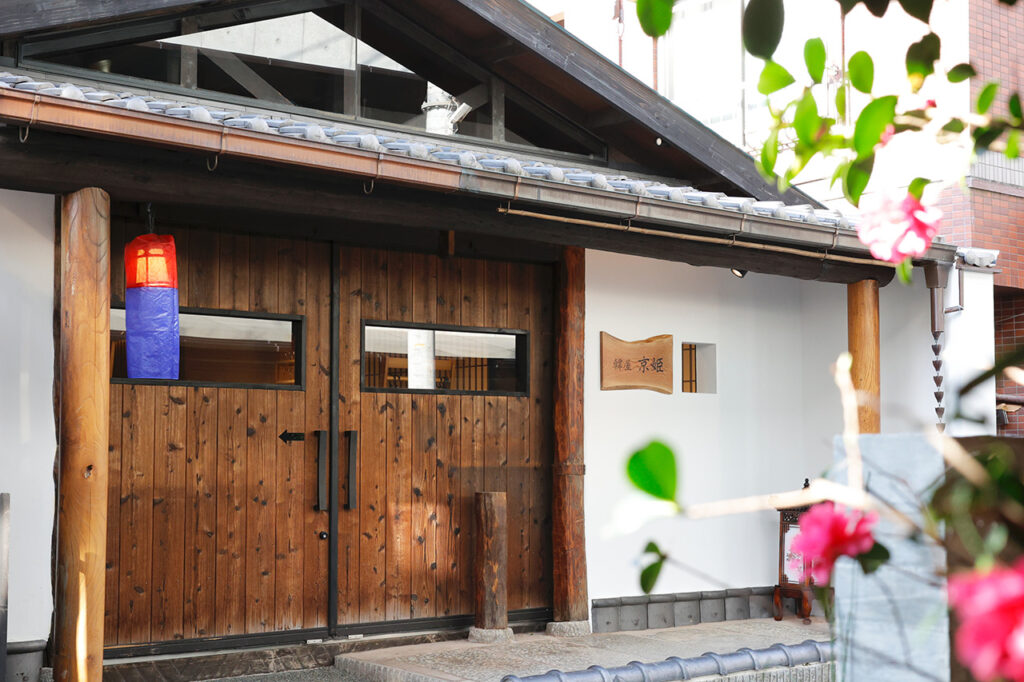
point(216, 160)
point(370, 190)
point(23, 134)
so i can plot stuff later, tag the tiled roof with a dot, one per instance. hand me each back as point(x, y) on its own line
point(427, 149)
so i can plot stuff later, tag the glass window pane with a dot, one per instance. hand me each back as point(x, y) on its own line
point(417, 358)
point(225, 349)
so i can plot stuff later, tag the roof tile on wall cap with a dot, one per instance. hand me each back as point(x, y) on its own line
point(425, 149)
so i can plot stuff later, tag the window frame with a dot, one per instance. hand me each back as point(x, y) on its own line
point(300, 360)
point(522, 337)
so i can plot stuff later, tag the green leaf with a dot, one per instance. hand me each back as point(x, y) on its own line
point(960, 73)
point(876, 7)
point(762, 27)
point(814, 58)
point(872, 122)
point(984, 136)
point(987, 96)
point(649, 576)
point(1013, 144)
point(806, 121)
point(874, 558)
point(955, 125)
point(904, 272)
point(919, 9)
point(839, 173)
point(770, 153)
point(917, 186)
point(856, 178)
point(921, 58)
point(862, 72)
point(841, 102)
point(653, 470)
point(1015, 109)
point(774, 77)
point(652, 548)
point(655, 16)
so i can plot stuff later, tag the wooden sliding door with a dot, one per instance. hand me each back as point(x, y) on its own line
point(406, 549)
point(211, 523)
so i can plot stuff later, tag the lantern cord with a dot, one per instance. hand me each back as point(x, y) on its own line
point(150, 220)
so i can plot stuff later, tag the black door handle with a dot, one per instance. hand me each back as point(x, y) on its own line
point(353, 459)
point(322, 474)
point(324, 535)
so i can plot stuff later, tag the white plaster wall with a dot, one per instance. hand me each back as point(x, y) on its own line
point(770, 424)
point(969, 350)
point(26, 404)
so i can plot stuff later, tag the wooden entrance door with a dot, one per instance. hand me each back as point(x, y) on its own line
point(211, 523)
point(406, 549)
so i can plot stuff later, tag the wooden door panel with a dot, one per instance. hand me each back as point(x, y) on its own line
point(213, 532)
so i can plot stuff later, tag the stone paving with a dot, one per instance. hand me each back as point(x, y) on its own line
point(531, 654)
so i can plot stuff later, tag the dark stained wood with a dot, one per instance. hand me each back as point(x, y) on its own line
point(541, 436)
point(350, 406)
point(491, 595)
point(27, 16)
point(234, 271)
point(568, 533)
point(373, 457)
point(496, 407)
point(518, 466)
point(260, 491)
point(84, 421)
point(110, 614)
point(232, 420)
point(137, 441)
point(471, 456)
point(169, 469)
point(201, 513)
point(203, 274)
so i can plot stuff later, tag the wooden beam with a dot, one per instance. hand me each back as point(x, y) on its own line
point(188, 74)
point(568, 532)
point(242, 73)
point(28, 16)
point(84, 407)
point(862, 332)
point(491, 562)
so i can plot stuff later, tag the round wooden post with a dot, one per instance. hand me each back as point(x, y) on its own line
point(491, 563)
point(84, 407)
point(567, 534)
point(862, 332)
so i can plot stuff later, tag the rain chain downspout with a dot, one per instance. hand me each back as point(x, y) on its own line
point(936, 278)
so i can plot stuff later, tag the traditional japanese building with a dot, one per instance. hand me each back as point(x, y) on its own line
point(400, 230)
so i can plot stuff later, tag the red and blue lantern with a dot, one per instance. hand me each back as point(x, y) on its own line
point(151, 307)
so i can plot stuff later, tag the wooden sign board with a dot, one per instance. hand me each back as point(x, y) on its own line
point(636, 364)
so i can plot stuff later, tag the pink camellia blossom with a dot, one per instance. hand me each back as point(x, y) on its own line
point(898, 229)
point(887, 134)
point(828, 532)
point(990, 607)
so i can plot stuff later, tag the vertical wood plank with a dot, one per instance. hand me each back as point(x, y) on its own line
point(232, 415)
point(496, 417)
point(399, 503)
point(424, 506)
point(117, 232)
point(349, 419)
point(110, 613)
point(264, 273)
point(260, 537)
point(449, 535)
point(171, 415)
point(317, 413)
point(203, 269)
point(541, 435)
point(137, 515)
point(233, 271)
point(201, 513)
point(182, 250)
point(520, 303)
point(373, 458)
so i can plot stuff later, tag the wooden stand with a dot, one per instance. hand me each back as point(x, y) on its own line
point(569, 567)
point(491, 597)
point(84, 408)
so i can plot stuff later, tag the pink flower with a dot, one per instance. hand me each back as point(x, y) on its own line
point(887, 134)
point(828, 532)
point(990, 607)
point(896, 230)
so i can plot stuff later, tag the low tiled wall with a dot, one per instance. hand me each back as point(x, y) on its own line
point(681, 608)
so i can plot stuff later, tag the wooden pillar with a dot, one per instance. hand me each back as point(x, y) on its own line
point(84, 407)
point(491, 598)
point(567, 533)
point(862, 331)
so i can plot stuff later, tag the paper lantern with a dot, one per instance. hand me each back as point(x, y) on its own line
point(151, 307)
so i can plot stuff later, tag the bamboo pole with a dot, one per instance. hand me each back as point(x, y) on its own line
point(84, 408)
point(864, 346)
